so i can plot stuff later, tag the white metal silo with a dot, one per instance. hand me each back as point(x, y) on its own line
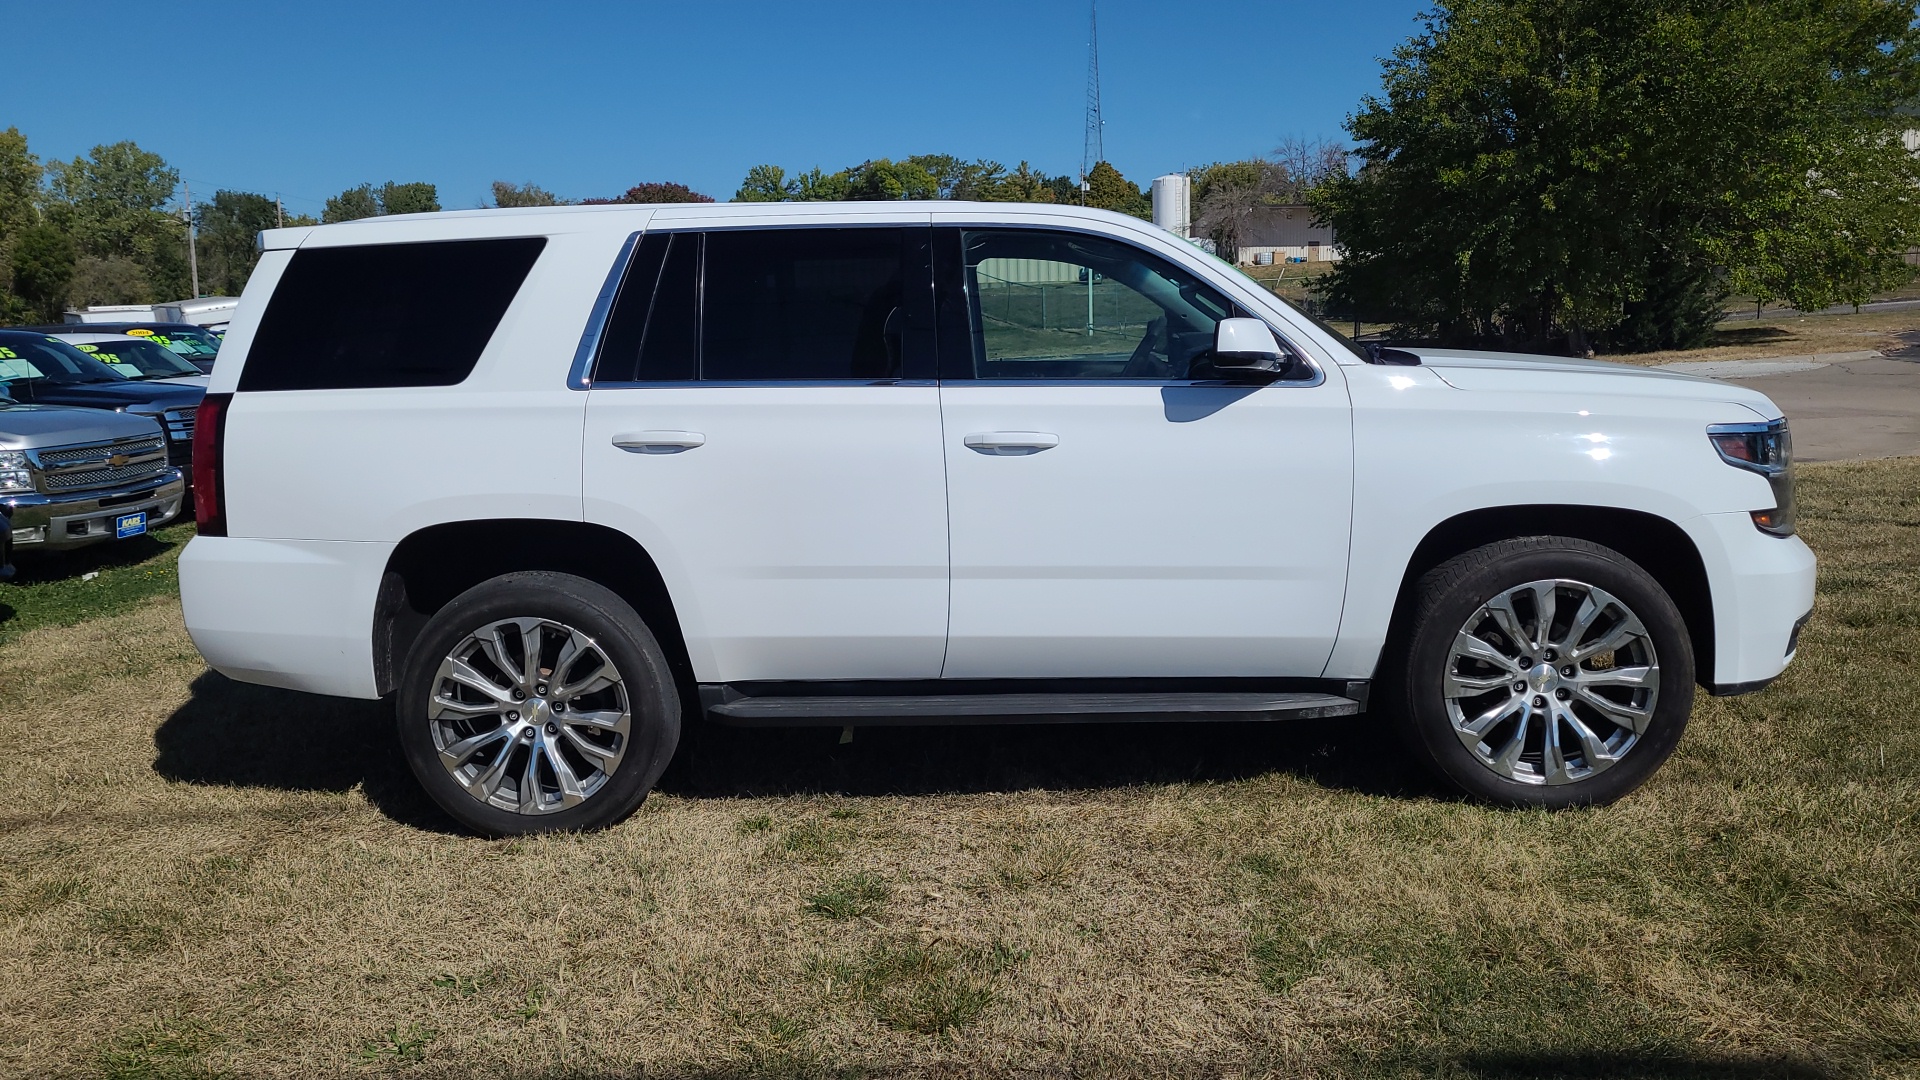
point(1173, 204)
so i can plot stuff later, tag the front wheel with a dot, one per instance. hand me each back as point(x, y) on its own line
point(537, 702)
point(1542, 671)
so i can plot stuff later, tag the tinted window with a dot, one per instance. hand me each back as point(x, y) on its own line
point(627, 322)
point(652, 334)
point(1047, 305)
point(802, 304)
point(386, 314)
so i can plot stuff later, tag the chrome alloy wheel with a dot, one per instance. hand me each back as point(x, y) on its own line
point(1551, 682)
point(529, 715)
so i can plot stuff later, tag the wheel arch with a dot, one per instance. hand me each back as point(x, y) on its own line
point(1656, 544)
point(439, 562)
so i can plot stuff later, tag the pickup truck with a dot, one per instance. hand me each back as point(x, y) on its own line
point(906, 463)
point(73, 477)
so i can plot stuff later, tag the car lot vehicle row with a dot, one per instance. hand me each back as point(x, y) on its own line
point(92, 444)
point(857, 464)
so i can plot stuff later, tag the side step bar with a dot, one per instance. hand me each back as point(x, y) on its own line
point(728, 706)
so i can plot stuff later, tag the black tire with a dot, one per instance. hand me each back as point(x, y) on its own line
point(1416, 666)
point(651, 698)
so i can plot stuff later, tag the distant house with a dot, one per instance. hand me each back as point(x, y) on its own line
point(1279, 233)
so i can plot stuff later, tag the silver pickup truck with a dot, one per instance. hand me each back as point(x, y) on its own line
point(71, 477)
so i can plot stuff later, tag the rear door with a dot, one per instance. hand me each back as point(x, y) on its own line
point(763, 419)
point(1117, 509)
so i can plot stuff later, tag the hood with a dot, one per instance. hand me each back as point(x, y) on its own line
point(112, 395)
point(1471, 370)
point(34, 427)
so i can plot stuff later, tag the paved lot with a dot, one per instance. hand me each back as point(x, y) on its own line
point(1843, 405)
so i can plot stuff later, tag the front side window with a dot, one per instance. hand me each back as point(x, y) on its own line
point(1055, 305)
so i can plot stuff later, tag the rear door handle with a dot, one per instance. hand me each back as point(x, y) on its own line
point(659, 442)
point(1011, 443)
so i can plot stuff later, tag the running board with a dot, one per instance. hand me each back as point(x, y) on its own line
point(728, 706)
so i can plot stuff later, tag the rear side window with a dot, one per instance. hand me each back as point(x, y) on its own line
point(785, 304)
point(385, 315)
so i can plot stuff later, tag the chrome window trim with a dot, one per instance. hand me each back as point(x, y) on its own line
point(738, 384)
point(580, 375)
point(695, 384)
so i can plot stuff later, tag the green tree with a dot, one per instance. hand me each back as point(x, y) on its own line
point(415, 198)
point(765, 183)
point(352, 205)
point(19, 184)
point(1555, 172)
point(817, 185)
point(527, 194)
point(1108, 190)
point(229, 226)
point(113, 201)
point(43, 263)
point(1023, 184)
point(115, 279)
point(882, 179)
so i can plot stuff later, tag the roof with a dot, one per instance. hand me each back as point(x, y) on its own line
point(499, 221)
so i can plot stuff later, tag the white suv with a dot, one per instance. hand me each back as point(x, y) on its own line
point(563, 480)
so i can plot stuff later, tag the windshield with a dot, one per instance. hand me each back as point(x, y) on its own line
point(1316, 320)
point(23, 358)
point(138, 358)
point(185, 340)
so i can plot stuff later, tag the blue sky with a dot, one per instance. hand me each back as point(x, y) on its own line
point(589, 98)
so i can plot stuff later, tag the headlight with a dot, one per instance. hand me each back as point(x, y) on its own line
point(13, 471)
point(1768, 450)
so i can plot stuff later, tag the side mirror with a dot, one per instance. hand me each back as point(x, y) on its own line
point(1248, 347)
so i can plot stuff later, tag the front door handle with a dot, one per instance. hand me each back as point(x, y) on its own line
point(1011, 443)
point(659, 442)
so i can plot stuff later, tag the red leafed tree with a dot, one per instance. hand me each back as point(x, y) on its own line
point(667, 192)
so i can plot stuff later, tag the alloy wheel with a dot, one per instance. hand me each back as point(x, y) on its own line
point(1551, 682)
point(529, 715)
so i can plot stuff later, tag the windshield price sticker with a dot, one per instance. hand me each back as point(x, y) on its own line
point(141, 333)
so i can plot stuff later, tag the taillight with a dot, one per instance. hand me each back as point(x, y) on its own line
point(209, 491)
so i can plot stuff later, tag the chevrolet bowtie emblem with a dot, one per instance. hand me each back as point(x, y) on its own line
point(118, 460)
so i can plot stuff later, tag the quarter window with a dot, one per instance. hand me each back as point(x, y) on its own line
point(385, 315)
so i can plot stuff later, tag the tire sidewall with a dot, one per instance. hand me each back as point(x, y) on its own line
point(652, 697)
point(1431, 644)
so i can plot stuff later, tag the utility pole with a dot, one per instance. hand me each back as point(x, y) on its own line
point(1093, 150)
point(193, 256)
point(279, 214)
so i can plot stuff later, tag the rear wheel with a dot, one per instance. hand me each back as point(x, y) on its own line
point(537, 702)
point(1543, 671)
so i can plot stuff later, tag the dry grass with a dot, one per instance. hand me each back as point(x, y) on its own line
point(1794, 336)
point(209, 879)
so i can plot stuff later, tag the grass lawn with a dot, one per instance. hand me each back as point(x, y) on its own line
point(209, 879)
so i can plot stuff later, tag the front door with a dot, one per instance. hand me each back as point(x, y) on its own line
point(751, 425)
point(1116, 510)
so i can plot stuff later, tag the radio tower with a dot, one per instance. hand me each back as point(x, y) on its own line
point(1093, 151)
